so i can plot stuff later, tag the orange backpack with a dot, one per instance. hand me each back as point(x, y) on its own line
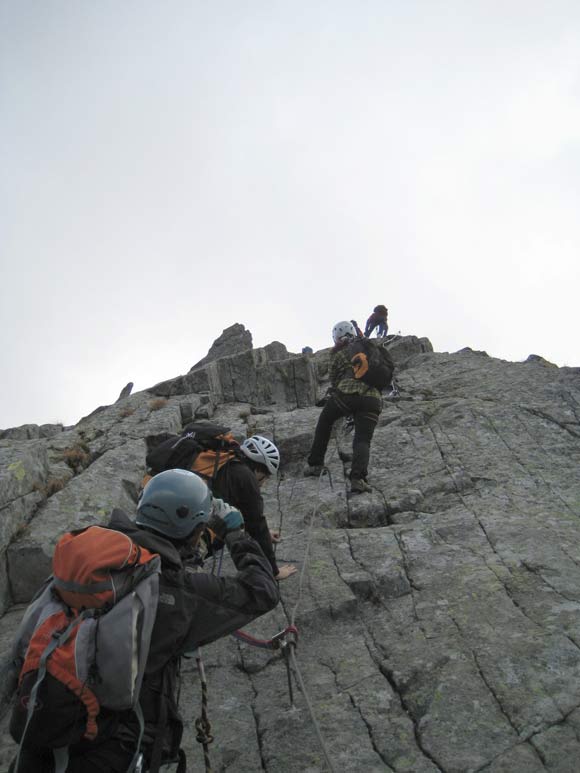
point(84, 641)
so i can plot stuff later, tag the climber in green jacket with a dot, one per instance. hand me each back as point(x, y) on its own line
point(349, 397)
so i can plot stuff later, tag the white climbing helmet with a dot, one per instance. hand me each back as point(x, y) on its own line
point(261, 450)
point(343, 330)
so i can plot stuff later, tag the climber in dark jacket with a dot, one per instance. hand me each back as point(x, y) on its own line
point(348, 397)
point(194, 609)
point(238, 482)
point(377, 319)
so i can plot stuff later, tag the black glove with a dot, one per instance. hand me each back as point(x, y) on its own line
point(224, 520)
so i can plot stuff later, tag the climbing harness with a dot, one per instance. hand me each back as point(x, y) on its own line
point(348, 424)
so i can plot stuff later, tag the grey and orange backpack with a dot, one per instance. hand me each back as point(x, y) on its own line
point(83, 642)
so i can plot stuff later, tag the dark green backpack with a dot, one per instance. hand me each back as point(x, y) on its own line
point(371, 362)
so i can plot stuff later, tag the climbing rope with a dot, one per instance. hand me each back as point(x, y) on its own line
point(286, 642)
point(321, 740)
point(289, 650)
point(202, 723)
point(281, 511)
point(308, 541)
point(216, 567)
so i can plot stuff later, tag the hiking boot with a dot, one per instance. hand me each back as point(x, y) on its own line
point(359, 486)
point(312, 470)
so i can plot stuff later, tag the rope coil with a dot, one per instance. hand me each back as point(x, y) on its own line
point(203, 727)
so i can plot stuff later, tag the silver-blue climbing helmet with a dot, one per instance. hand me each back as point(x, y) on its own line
point(262, 451)
point(174, 503)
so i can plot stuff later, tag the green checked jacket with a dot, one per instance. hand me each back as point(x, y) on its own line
point(342, 376)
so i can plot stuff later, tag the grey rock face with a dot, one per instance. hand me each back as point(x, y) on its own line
point(404, 347)
point(540, 360)
point(274, 351)
point(31, 432)
point(233, 340)
point(251, 376)
point(126, 391)
point(111, 481)
point(439, 616)
point(24, 471)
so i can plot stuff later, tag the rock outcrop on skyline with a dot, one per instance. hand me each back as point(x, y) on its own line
point(438, 617)
point(234, 340)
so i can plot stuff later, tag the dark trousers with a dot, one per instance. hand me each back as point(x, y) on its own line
point(108, 757)
point(381, 332)
point(365, 411)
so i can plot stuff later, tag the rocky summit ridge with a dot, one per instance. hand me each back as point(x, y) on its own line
point(438, 616)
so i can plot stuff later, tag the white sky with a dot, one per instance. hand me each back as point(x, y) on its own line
point(170, 168)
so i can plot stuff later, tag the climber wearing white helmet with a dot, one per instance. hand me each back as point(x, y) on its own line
point(349, 397)
point(263, 452)
point(238, 483)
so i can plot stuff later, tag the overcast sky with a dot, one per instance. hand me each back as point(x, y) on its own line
point(169, 168)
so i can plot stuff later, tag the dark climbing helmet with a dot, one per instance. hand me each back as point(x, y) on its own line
point(174, 503)
point(261, 450)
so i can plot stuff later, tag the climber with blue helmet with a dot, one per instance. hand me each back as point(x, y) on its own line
point(194, 609)
point(175, 504)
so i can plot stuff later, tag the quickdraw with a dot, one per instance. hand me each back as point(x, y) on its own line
point(277, 642)
point(286, 641)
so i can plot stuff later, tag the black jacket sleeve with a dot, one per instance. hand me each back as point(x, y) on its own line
point(237, 485)
point(224, 604)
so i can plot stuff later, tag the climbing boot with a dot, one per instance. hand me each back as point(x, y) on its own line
point(359, 486)
point(312, 470)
